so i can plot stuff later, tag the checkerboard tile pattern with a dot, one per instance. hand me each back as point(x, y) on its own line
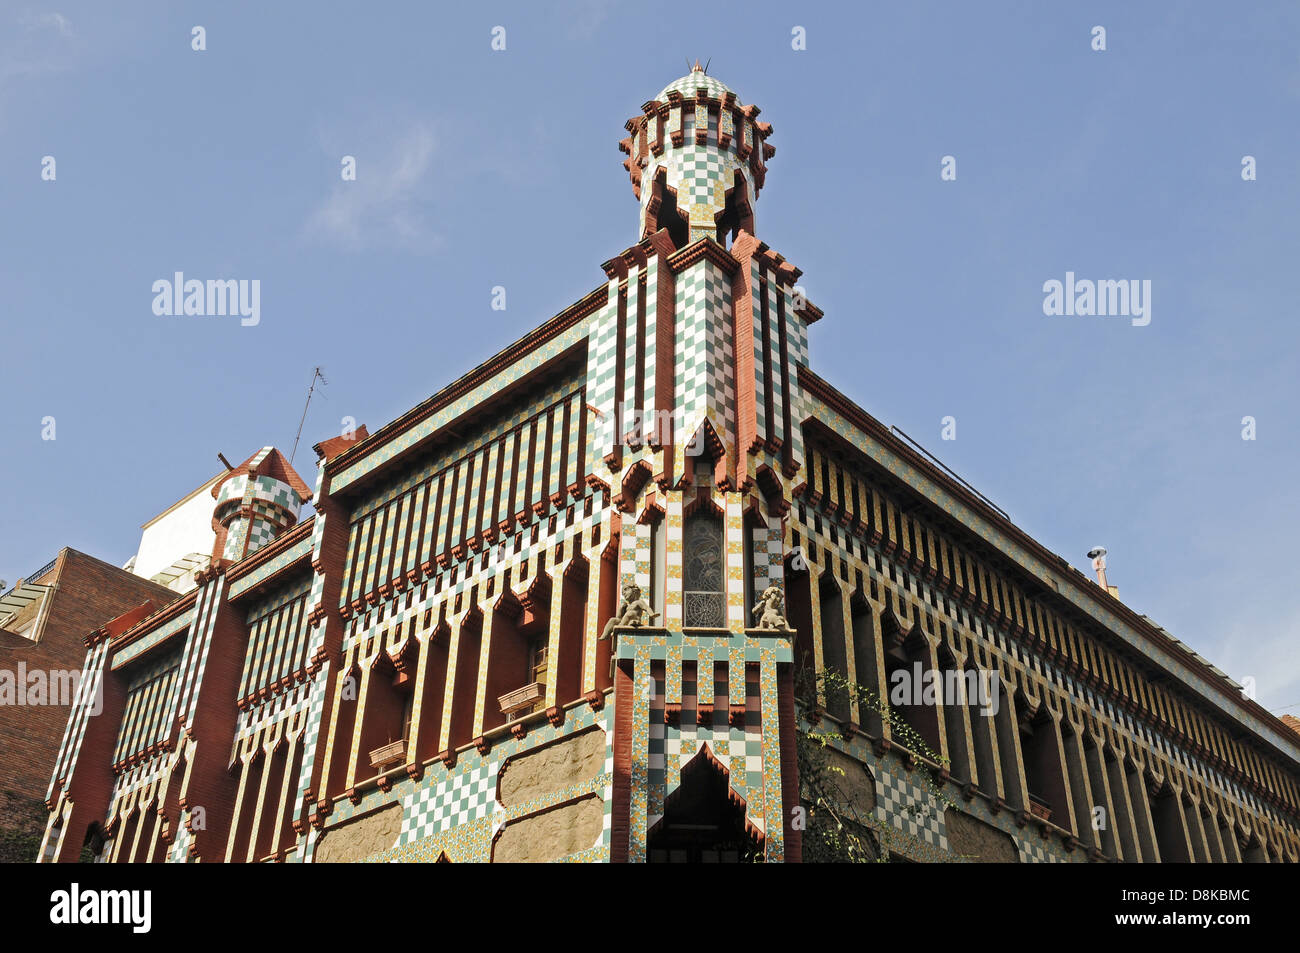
point(261, 532)
point(234, 548)
point(274, 505)
point(691, 83)
point(718, 340)
point(768, 553)
point(455, 810)
point(635, 553)
point(92, 676)
point(180, 849)
point(649, 353)
point(797, 343)
point(704, 376)
point(700, 175)
point(1035, 851)
point(461, 799)
point(277, 493)
point(232, 489)
point(909, 809)
point(912, 820)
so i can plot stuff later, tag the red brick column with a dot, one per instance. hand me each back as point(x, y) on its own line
point(91, 784)
point(742, 318)
point(621, 820)
point(211, 786)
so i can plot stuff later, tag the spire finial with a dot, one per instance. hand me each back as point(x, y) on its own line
point(697, 68)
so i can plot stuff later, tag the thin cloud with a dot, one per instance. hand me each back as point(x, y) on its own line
point(55, 21)
point(38, 46)
point(586, 17)
point(387, 205)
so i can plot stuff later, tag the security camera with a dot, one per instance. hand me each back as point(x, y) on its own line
point(1096, 552)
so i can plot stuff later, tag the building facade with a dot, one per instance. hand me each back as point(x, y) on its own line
point(565, 609)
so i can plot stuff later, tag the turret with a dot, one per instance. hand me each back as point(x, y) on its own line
point(256, 502)
point(697, 158)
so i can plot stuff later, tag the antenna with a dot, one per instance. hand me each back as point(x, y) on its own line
point(316, 374)
point(706, 65)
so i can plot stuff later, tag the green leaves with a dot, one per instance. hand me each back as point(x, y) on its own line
point(836, 831)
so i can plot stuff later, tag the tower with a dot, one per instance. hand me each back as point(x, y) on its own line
point(697, 158)
point(256, 502)
point(696, 363)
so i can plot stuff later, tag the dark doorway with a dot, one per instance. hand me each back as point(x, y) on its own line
point(704, 820)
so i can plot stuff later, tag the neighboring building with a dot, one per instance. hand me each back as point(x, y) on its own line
point(177, 543)
point(44, 620)
point(417, 671)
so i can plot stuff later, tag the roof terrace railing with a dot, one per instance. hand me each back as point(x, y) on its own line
point(28, 578)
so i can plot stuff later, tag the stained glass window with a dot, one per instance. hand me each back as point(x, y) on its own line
point(702, 602)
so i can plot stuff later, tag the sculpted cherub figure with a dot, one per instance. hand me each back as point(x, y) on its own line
point(633, 611)
point(770, 610)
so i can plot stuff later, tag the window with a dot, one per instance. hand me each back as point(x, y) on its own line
point(702, 602)
point(408, 709)
point(537, 658)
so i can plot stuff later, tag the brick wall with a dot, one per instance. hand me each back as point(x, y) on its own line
point(87, 593)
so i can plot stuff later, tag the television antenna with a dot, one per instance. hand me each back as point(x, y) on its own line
point(316, 375)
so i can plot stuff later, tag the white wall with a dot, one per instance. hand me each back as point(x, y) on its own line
point(184, 529)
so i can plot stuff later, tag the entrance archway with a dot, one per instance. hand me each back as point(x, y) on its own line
point(704, 820)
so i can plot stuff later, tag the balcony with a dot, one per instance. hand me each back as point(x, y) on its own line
point(1039, 808)
point(388, 755)
point(514, 703)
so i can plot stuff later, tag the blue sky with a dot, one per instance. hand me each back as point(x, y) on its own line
point(479, 168)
